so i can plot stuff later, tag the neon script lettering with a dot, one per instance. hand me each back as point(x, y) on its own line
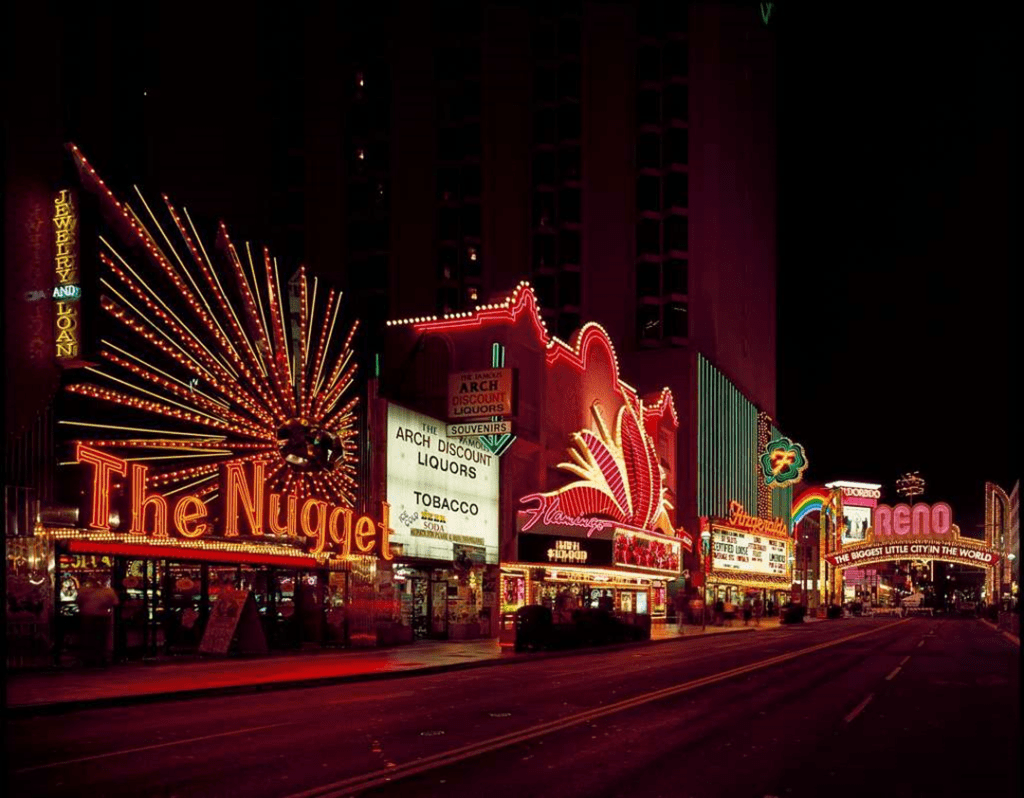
point(248, 507)
point(549, 510)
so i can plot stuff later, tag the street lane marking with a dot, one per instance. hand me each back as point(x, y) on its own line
point(380, 777)
point(892, 675)
point(151, 747)
point(859, 708)
point(904, 660)
point(356, 699)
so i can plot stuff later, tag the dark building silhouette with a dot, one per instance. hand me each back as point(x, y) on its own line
point(427, 156)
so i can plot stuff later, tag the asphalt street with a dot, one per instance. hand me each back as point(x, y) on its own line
point(846, 707)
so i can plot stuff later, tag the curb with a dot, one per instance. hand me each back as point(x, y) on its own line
point(995, 628)
point(77, 705)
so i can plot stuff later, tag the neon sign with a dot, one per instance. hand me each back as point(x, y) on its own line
point(248, 507)
point(66, 289)
point(921, 519)
point(783, 463)
point(741, 519)
point(646, 551)
point(620, 479)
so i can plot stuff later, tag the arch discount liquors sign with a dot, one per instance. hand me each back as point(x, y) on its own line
point(480, 394)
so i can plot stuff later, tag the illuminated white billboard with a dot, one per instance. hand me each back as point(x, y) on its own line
point(858, 519)
point(443, 491)
point(740, 551)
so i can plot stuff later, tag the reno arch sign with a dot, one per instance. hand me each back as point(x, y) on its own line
point(919, 531)
point(917, 520)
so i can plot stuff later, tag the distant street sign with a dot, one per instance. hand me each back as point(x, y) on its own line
point(475, 429)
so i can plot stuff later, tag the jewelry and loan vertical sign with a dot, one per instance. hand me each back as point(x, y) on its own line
point(67, 289)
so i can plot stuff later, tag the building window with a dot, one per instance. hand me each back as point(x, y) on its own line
point(676, 320)
point(676, 57)
point(648, 107)
point(676, 190)
point(545, 285)
point(449, 227)
point(648, 237)
point(568, 122)
point(543, 251)
point(648, 322)
point(648, 279)
point(543, 209)
point(448, 184)
point(471, 220)
point(569, 205)
point(648, 193)
point(569, 247)
point(677, 146)
point(470, 181)
point(676, 100)
point(569, 288)
point(648, 64)
point(676, 234)
point(569, 163)
point(544, 126)
point(674, 273)
point(648, 151)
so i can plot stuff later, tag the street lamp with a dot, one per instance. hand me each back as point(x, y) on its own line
point(705, 542)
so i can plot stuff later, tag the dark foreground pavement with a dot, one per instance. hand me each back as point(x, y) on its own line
point(853, 707)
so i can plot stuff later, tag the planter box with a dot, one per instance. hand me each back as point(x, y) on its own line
point(463, 631)
point(393, 634)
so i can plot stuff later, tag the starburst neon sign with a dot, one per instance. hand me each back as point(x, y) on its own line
point(213, 368)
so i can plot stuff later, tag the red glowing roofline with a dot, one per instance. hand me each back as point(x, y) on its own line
point(524, 300)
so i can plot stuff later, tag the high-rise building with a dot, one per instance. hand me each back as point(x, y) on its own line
point(428, 156)
point(620, 156)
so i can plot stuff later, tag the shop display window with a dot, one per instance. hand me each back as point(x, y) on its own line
point(513, 594)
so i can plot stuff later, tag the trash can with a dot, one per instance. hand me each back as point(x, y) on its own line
point(533, 627)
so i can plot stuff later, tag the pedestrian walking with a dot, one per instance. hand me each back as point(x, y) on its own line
point(719, 612)
point(758, 611)
point(680, 602)
point(748, 611)
point(96, 604)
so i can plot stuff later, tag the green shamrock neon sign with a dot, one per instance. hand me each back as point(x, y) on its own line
point(783, 463)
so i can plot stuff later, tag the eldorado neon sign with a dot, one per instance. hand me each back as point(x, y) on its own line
point(248, 507)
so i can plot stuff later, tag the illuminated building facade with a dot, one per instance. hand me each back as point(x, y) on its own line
point(587, 491)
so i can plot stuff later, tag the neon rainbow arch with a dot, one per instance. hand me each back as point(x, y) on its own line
point(810, 501)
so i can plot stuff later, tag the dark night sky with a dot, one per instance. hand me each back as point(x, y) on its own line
point(897, 137)
point(897, 153)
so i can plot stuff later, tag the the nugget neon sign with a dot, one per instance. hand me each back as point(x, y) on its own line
point(249, 508)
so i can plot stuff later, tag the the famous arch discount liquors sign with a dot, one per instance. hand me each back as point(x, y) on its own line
point(443, 491)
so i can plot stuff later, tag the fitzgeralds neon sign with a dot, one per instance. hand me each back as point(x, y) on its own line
point(741, 519)
point(66, 289)
point(248, 507)
point(783, 463)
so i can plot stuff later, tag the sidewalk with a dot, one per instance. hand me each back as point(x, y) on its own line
point(71, 689)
